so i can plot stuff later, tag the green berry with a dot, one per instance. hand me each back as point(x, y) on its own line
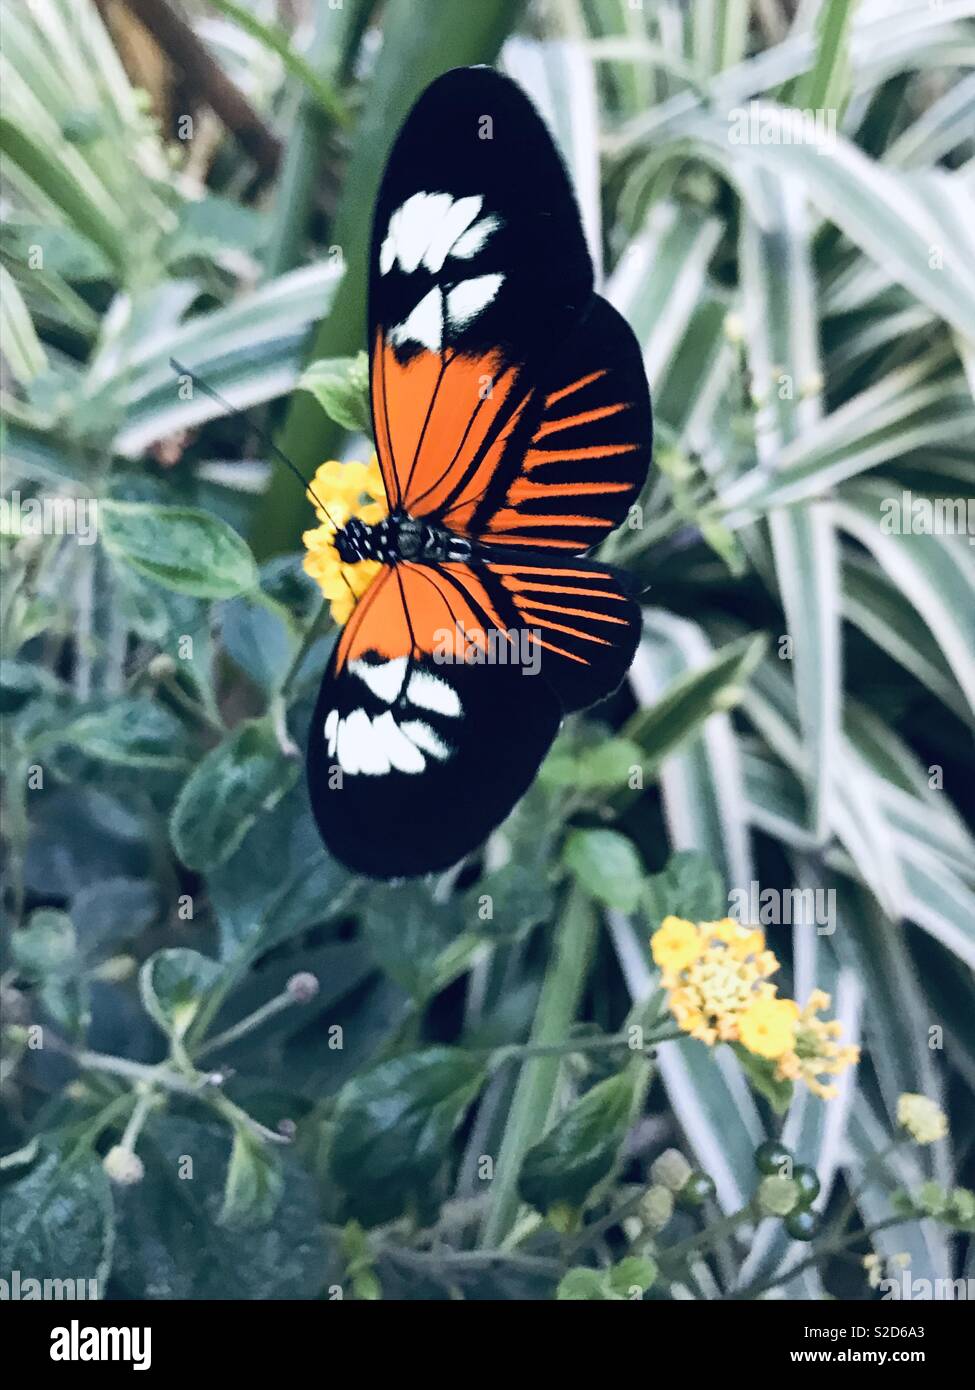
point(802, 1224)
point(807, 1181)
point(774, 1158)
point(698, 1189)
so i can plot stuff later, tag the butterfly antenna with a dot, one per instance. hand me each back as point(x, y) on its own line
point(265, 439)
point(246, 416)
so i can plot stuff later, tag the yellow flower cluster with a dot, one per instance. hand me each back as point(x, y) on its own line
point(717, 979)
point(347, 490)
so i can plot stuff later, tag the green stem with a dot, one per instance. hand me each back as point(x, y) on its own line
point(274, 1006)
point(822, 1252)
point(312, 634)
point(138, 1071)
point(720, 1230)
point(516, 1052)
point(556, 1011)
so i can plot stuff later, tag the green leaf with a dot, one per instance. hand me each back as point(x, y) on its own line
point(278, 882)
point(277, 40)
point(689, 887)
point(606, 865)
point(174, 984)
point(112, 911)
point(46, 947)
point(583, 1146)
point(692, 697)
point(605, 767)
point(130, 733)
point(633, 1272)
point(171, 1246)
point(254, 1183)
point(761, 1076)
point(181, 548)
point(580, 1285)
point(57, 1223)
point(340, 385)
point(21, 345)
point(393, 1126)
point(244, 776)
point(409, 934)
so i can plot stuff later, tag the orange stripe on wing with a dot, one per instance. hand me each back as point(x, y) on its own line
point(558, 573)
point(585, 417)
point(506, 519)
point(571, 612)
point(560, 627)
point(536, 542)
point(522, 489)
point(576, 385)
point(525, 588)
point(534, 458)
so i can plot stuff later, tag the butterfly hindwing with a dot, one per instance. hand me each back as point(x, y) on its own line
point(578, 612)
point(415, 753)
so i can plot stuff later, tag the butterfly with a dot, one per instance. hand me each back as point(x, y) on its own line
point(513, 430)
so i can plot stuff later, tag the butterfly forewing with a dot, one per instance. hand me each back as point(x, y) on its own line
point(478, 269)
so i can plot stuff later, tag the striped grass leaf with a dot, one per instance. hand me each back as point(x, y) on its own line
point(781, 330)
point(933, 573)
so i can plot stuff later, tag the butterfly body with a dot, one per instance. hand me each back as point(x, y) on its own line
point(400, 537)
point(513, 429)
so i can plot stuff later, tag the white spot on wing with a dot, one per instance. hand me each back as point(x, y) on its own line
point(432, 693)
point(443, 237)
point(402, 754)
point(424, 324)
point(466, 300)
point(385, 680)
point(429, 227)
point(426, 738)
point(474, 238)
point(331, 730)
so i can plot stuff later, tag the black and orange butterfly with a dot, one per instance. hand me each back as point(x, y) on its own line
point(513, 428)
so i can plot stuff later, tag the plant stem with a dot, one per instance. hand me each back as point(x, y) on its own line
point(822, 1252)
point(516, 1052)
point(274, 1006)
point(557, 1004)
point(158, 1075)
point(312, 633)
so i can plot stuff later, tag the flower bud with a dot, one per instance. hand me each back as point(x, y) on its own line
point(162, 666)
point(657, 1207)
point(671, 1170)
point(123, 1166)
point(303, 987)
point(777, 1196)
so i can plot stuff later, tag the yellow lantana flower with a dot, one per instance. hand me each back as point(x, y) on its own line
point(817, 1053)
point(768, 1027)
point(344, 490)
point(713, 972)
point(675, 944)
point(716, 975)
